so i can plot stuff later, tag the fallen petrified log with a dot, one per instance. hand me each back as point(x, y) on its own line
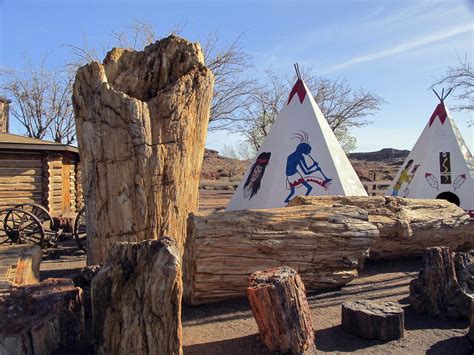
point(373, 320)
point(445, 284)
point(407, 226)
point(278, 300)
point(324, 245)
point(136, 299)
point(141, 121)
point(42, 318)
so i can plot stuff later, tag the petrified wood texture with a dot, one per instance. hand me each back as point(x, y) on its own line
point(445, 286)
point(136, 299)
point(324, 245)
point(373, 320)
point(407, 226)
point(42, 318)
point(278, 300)
point(471, 322)
point(141, 125)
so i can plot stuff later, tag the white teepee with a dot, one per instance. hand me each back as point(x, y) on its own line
point(300, 156)
point(440, 164)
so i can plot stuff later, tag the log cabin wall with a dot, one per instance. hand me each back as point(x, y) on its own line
point(21, 177)
point(49, 178)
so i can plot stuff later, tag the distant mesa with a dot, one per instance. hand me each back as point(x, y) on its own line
point(383, 154)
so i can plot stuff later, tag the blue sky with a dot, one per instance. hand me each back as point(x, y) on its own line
point(393, 48)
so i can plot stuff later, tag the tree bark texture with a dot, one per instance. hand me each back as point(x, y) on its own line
point(136, 299)
point(324, 245)
point(373, 320)
point(278, 300)
point(445, 286)
point(141, 125)
point(407, 226)
point(42, 318)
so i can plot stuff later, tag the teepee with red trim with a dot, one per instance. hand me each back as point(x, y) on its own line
point(300, 156)
point(440, 164)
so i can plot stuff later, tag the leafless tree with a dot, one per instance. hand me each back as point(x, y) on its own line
point(232, 91)
point(461, 79)
point(41, 101)
point(344, 107)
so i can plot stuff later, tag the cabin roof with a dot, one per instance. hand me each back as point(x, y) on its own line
point(15, 142)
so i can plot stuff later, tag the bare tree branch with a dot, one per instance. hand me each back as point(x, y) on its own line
point(343, 107)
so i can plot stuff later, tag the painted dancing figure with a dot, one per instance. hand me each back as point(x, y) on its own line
point(297, 170)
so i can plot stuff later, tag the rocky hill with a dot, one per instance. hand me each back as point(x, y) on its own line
point(370, 166)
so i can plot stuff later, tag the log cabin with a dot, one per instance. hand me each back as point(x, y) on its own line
point(34, 170)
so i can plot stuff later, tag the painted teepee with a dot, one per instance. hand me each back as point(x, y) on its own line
point(300, 156)
point(440, 164)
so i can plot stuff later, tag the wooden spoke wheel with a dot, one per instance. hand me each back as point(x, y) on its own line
point(40, 212)
point(18, 226)
point(80, 229)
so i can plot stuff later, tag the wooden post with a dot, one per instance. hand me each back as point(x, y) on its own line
point(373, 320)
point(279, 306)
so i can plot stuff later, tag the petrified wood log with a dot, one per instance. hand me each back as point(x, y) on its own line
point(407, 226)
point(136, 299)
point(373, 320)
point(42, 318)
point(444, 287)
point(141, 122)
point(324, 245)
point(278, 300)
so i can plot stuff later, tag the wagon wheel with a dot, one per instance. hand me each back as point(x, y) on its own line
point(80, 229)
point(18, 226)
point(40, 212)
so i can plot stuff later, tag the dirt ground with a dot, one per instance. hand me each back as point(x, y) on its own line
point(229, 328)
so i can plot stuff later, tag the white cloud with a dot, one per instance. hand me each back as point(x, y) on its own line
point(405, 47)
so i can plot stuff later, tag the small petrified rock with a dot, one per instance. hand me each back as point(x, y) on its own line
point(373, 320)
point(84, 280)
point(444, 285)
point(471, 322)
point(42, 318)
point(278, 300)
point(136, 299)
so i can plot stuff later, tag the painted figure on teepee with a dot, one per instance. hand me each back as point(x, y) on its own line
point(443, 166)
point(306, 159)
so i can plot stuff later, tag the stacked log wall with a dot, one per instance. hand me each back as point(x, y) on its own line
point(21, 178)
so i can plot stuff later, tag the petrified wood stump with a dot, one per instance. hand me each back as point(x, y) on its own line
point(445, 286)
point(407, 226)
point(42, 318)
point(141, 121)
point(136, 299)
point(373, 320)
point(325, 245)
point(278, 300)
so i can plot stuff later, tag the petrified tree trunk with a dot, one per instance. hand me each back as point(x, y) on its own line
point(471, 322)
point(444, 287)
point(141, 124)
point(42, 318)
point(373, 320)
point(136, 299)
point(278, 300)
point(325, 245)
point(407, 226)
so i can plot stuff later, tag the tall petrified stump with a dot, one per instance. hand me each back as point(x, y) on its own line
point(278, 300)
point(136, 299)
point(445, 286)
point(373, 320)
point(141, 124)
